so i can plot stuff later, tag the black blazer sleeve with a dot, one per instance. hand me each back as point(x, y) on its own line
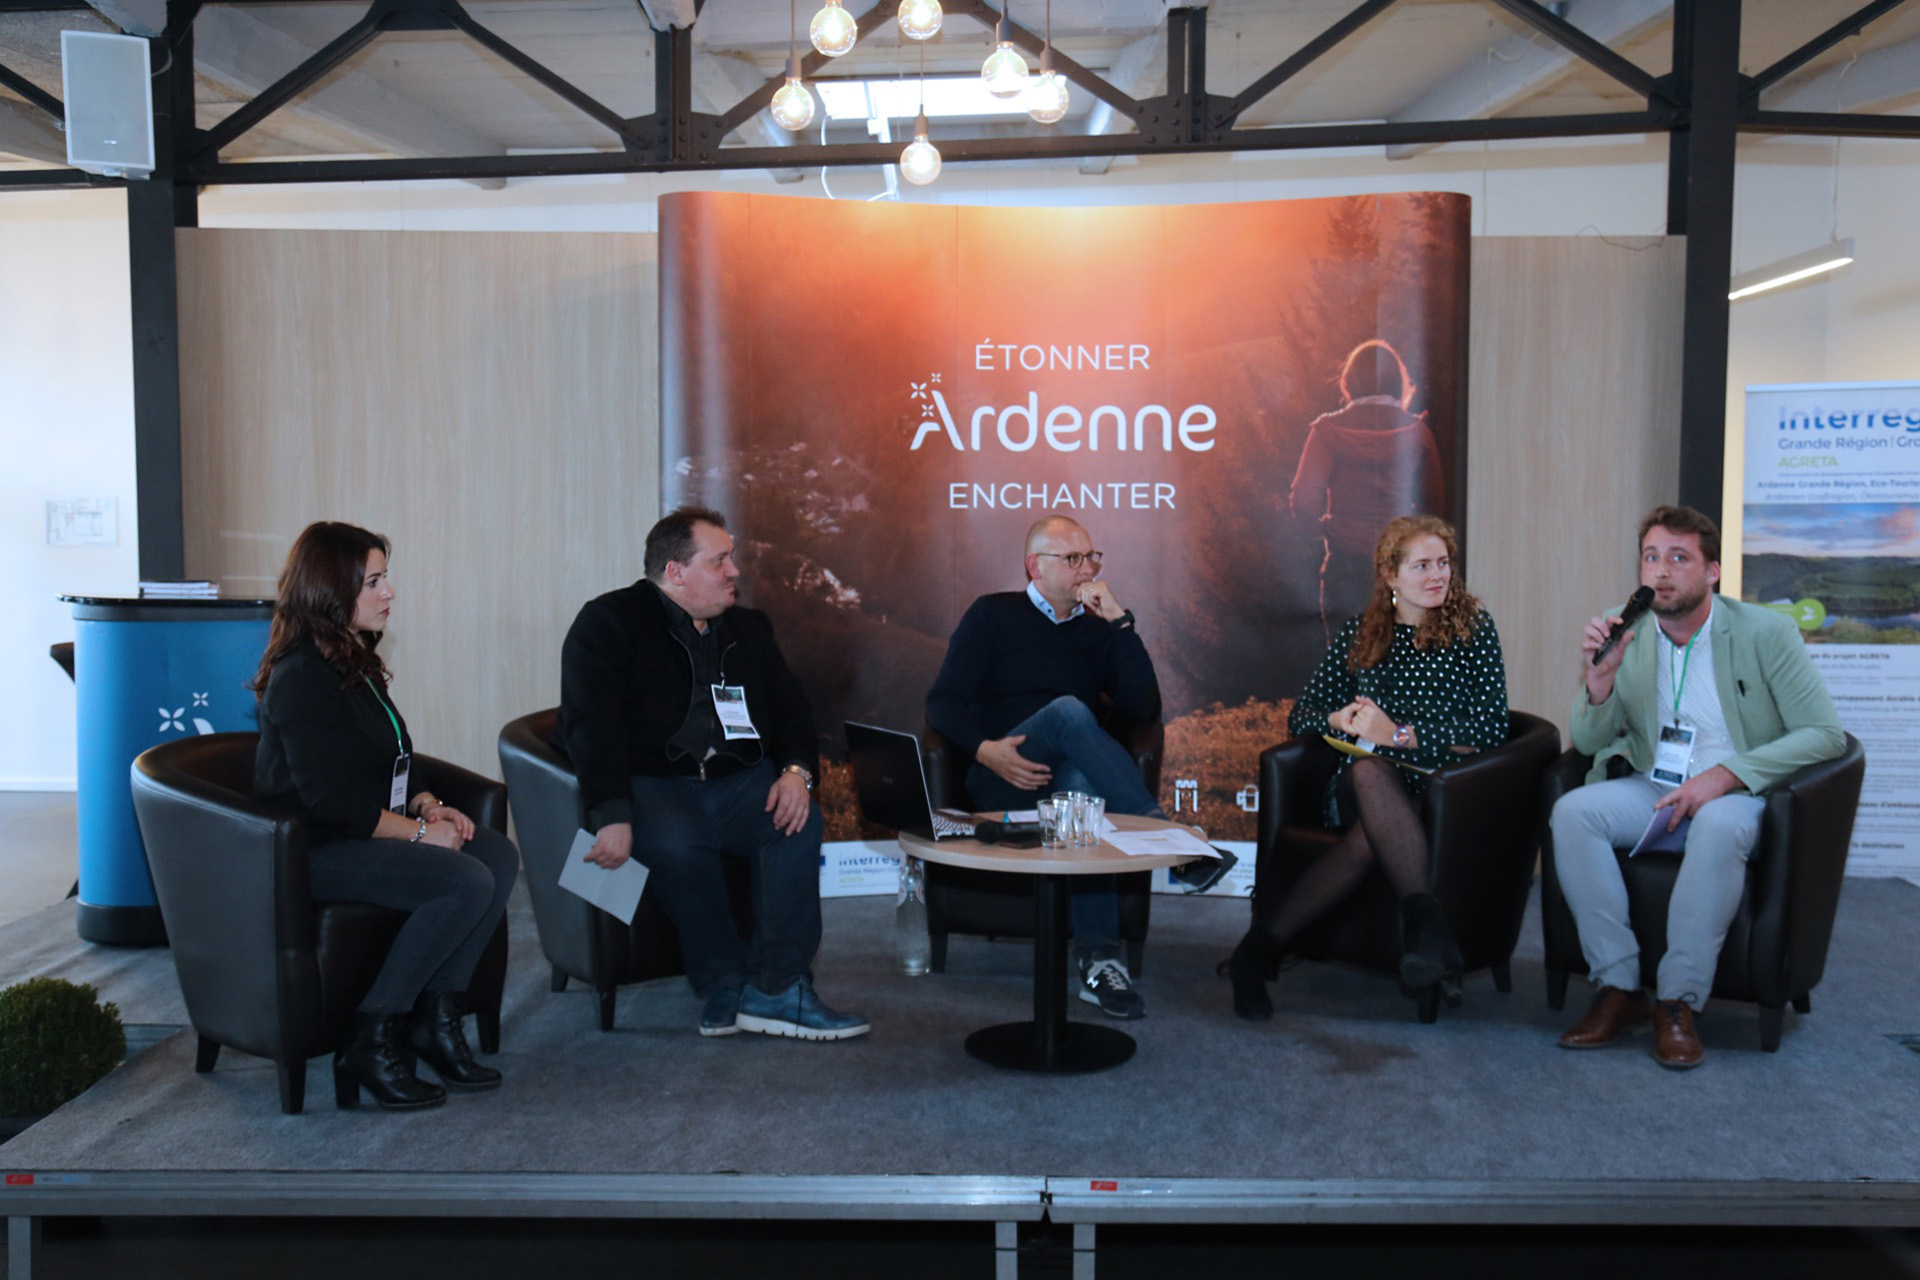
point(596, 675)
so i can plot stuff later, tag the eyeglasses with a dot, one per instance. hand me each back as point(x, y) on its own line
point(1075, 559)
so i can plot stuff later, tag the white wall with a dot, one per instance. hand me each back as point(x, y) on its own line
point(66, 431)
point(67, 416)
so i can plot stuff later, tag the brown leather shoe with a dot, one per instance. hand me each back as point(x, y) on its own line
point(1674, 1042)
point(1614, 1012)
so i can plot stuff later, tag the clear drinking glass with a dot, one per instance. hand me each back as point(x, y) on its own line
point(1051, 836)
point(1093, 819)
point(1068, 805)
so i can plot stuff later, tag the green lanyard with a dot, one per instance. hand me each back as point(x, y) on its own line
point(1685, 663)
point(392, 719)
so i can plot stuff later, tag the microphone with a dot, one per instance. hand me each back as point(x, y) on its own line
point(994, 831)
point(1642, 600)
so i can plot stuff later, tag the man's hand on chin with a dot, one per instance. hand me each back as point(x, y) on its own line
point(1002, 755)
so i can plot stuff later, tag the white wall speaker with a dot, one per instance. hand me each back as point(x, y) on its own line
point(109, 100)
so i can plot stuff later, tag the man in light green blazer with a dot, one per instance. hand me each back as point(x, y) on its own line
point(1711, 701)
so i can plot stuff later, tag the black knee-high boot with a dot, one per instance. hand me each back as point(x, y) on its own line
point(1430, 954)
point(1254, 963)
point(376, 1060)
point(438, 1035)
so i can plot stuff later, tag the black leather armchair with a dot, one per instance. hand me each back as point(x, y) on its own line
point(1776, 947)
point(581, 941)
point(264, 968)
point(1481, 826)
point(987, 904)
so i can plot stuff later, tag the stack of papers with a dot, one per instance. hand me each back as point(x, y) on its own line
point(1170, 840)
point(200, 589)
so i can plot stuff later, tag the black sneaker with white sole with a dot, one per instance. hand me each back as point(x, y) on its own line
point(1105, 982)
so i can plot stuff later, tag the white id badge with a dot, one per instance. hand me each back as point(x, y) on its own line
point(397, 797)
point(1671, 756)
point(730, 704)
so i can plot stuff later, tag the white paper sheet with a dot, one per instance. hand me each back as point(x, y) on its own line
point(1148, 844)
point(616, 892)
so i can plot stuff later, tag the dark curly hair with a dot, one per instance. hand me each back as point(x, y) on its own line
point(319, 587)
point(1453, 620)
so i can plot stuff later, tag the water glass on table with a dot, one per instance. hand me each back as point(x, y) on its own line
point(1052, 825)
point(1071, 807)
point(1092, 821)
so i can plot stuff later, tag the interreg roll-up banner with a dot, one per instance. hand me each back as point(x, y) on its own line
point(1831, 536)
point(883, 397)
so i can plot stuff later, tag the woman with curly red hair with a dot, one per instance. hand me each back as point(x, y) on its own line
point(1416, 681)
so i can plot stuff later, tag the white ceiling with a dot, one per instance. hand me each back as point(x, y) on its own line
point(437, 93)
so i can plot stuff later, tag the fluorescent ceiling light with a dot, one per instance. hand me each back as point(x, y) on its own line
point(900, 99)
point(1801, 266)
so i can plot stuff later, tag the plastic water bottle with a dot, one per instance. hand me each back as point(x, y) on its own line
point(911, 944)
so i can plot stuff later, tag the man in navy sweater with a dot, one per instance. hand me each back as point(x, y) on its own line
point(1024, 674)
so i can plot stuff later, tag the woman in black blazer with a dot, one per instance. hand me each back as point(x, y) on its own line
point(333, 747)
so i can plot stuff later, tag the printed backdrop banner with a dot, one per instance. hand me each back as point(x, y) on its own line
point(1831, 535)
point(883, 397)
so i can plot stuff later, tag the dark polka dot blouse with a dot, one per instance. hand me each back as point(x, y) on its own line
point(1454, 696)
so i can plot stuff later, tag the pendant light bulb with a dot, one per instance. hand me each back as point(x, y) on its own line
point(792, 105)
point(833, 30)
point(920, 19)
point(1005, 72)
point(920, 162)
point(1047, 99)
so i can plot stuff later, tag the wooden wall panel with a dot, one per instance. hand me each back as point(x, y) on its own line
point(1574, 397)
point(488, 401)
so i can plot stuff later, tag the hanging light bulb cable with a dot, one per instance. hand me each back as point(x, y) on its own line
point(920, 162)
point(1005, 71)
point(1047, 100)
point(792, 105)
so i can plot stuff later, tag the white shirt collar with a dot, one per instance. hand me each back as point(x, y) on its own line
point(1040, 603)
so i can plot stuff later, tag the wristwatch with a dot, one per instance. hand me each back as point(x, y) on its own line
point(805, 776)
point(1403, 735)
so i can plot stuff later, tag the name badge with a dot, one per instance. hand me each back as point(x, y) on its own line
point(397, 797)
point(1670, 757)
point(730, 704)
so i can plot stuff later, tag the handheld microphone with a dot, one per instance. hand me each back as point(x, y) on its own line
point(1642, 600)
point(994, 831)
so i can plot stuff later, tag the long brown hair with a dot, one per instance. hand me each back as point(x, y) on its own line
point(319, 588)
point(1453, 620)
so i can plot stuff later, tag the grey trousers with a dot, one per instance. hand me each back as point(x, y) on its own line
point(1590, 822)
point(453, 901)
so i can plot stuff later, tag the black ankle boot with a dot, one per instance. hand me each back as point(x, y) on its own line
point(1254, 963)
point(1430, 954)
point(375, 1061)
point(438, 1035)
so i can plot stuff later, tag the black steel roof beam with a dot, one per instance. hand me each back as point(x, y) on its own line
point(554, 83)
point(986, 15)
point(34, 93)
point(1587, 49)
point(1058, 146)
point(287, 87)
point(1848, 26)
point(1230, 110)
point(742, 111)
point(1829, 124)
point(673, 117)
point(54, 179)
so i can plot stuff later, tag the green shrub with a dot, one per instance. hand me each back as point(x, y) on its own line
point(55, 1042)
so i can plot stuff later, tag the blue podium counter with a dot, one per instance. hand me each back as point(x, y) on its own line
point(146, 671)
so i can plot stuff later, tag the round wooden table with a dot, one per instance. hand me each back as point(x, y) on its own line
point(1049, 1043)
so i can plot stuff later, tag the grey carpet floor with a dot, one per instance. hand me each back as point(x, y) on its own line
point(1342, 1084)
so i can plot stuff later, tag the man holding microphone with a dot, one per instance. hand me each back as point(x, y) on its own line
point(1710, 701)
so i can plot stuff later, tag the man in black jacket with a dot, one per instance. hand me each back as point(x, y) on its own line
point(678, 710)
point(1017, 694)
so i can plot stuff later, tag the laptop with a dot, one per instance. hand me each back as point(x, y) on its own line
point(891, 779)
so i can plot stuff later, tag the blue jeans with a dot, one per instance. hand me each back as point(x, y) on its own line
point(682, 828)
point(454, 901)
point(1065, 736)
